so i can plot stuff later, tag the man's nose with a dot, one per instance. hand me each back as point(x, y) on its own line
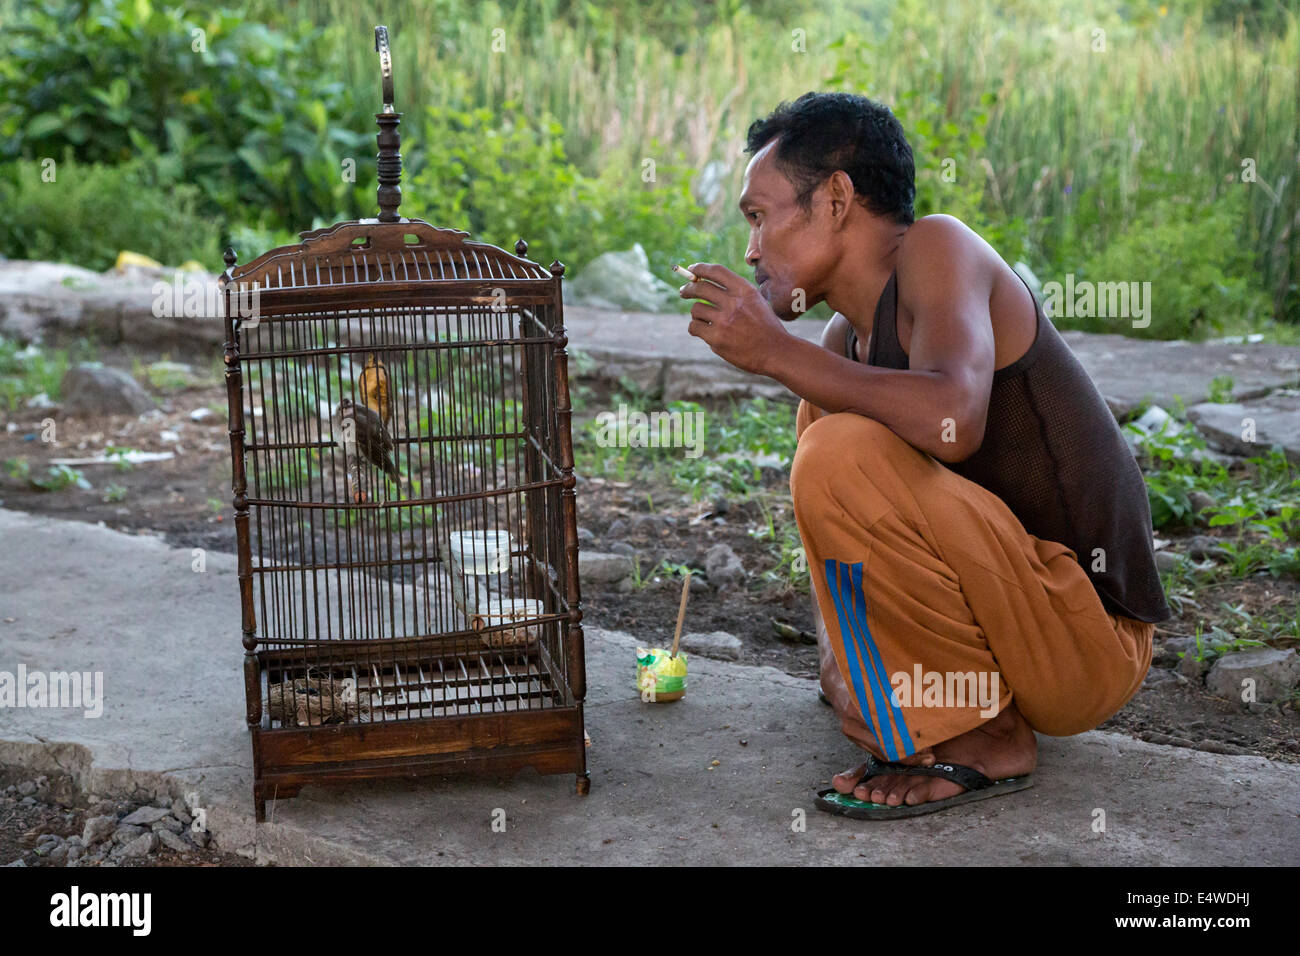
point(751, 252)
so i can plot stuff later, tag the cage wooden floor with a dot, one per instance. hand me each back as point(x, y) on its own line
point(490, 680)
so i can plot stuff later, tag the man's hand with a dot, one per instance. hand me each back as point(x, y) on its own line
point(735, 320)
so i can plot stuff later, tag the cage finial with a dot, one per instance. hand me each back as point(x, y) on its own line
point(389, 160)
point(521, 248)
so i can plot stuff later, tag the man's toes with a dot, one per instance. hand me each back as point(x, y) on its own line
point(897, 790)
point(927, 789)
point(845, 782)
point(872, 789)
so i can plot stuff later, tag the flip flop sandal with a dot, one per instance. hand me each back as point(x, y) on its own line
point(978, 787)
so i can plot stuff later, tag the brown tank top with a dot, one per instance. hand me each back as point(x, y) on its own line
point(1055, 454)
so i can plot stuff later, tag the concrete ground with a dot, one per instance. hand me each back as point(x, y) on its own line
point(81, 597)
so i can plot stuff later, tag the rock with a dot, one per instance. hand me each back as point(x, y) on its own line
point(140, 847)
point(1156, 421)
point(146, 815)
point(723, 566)
point(1191, 668)
point(641, 377)
point(27, 802)
point(75, 853)
point(1276, 673)
point(698, 584)
point(173, 841)
point(17, 862)
point(201, 414)
point(96, 390)
point(126, 833)
point(622, 547)
point(1204, 546)
point(1274, 418)
point(1157, 675)
point(26, 788)
point(198, 837)
point(623, 281)
point(1167, 561)
point(648, 524)
point(718, 644)
point(1200, 501)
point(59, 854)
point(97, 829)
point(1167, 651)
point(168, 824)
point(616, 528)
point(585, 537)
point(181, 812)
point(603, 568)
point(720, 506)
point(625, 586)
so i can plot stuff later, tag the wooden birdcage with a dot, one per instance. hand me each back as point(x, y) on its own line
point(404, 502)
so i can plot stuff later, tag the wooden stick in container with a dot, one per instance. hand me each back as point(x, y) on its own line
point(681, 613)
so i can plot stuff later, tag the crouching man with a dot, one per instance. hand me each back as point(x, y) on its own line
point(976, 528)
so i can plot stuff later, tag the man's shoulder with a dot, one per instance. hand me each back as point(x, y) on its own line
point(939, 253)
point(933, 239)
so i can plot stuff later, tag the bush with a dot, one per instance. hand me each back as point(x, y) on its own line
point(500, 177)
point(254, 116)
point(90, 212)
point(1203, 280)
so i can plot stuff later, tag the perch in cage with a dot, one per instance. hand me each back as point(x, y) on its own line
point(404, 502)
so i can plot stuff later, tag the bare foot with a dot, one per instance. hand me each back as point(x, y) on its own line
point(1004, 746)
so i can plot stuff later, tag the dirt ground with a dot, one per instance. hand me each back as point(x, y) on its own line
point(186, 500)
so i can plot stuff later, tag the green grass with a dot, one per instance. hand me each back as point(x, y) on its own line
point(27, 372)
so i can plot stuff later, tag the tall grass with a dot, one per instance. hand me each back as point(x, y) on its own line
point(1077, 141)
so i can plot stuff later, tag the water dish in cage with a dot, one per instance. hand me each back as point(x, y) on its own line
point(480, 564)
point(313, 701)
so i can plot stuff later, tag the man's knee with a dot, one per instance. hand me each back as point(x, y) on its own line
point(828, 447)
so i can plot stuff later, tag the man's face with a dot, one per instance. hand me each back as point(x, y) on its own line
point(788, 248)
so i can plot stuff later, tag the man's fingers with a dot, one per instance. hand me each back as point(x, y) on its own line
point(706, 312)
point(700, 289)
point(699, 328)
point(719, 275)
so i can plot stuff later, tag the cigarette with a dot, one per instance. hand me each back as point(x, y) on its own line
point(683, 271)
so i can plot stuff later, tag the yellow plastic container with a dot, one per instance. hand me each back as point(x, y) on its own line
point(659, 677)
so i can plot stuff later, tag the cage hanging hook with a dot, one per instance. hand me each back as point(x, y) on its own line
point(385, 66)
point(389, 161)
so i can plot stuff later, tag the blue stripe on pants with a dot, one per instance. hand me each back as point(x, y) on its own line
point(841, 588)
point(854, 671)
point(860, 611)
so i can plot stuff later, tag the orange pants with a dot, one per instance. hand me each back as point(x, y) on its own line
point(938, 607)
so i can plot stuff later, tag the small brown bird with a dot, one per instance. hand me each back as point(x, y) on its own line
point(366, 438)
point(373, 386)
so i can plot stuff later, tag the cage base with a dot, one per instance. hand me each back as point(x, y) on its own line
point(550, 741)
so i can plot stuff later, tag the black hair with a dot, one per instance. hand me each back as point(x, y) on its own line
point(823, 132)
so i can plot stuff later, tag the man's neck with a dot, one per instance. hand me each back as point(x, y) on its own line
point(864, 269)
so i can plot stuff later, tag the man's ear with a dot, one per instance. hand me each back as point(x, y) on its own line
point(840, 193)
